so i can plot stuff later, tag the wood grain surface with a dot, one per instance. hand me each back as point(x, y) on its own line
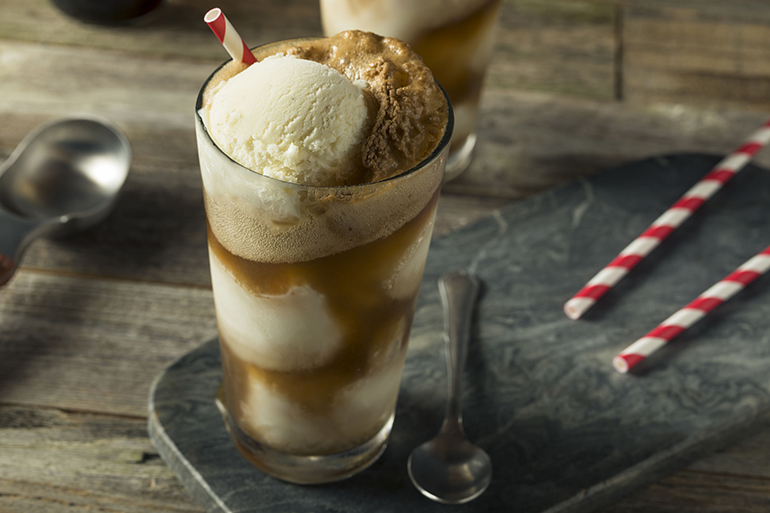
point(89, 320)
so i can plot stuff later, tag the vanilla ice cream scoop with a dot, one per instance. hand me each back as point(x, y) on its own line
point(291, 119)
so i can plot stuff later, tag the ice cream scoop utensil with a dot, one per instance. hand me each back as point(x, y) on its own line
point(448, 468)
point(64, 176)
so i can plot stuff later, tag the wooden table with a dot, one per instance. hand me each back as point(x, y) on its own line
point(89, 321)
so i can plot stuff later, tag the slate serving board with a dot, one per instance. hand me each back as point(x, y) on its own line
point(566, 432)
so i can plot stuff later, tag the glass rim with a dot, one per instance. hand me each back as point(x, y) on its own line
point(442, 145)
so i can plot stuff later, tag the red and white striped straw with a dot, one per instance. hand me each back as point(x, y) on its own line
point(692, 313)
point(228, 36)
point(666, 224)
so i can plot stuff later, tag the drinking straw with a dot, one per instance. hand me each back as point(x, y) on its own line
point(228, 36)
point(666, 224)
point(692, 313)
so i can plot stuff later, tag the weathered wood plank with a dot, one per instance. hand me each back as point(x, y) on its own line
point(178, 31)
point(563, 46)
point(689, 491)
point(80, 343)
point(163, 238)
point(528, 141)
point(157, 232)
point(696, 55)
point(559, 46)
point(140, 91)
point(555, 45)
point(733, 479)
point(117, 334)
point(552, 138)
point(53, 461)
point(751, 11)
point(532, 141)
point(750, 457)
point(94, 345)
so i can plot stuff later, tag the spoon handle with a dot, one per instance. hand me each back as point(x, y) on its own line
point(458, 294)
point(15, 235)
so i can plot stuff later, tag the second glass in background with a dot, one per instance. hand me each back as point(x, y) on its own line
point(455, 38)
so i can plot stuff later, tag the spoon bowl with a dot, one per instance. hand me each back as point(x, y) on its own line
point(64, 176)
point(448, 468)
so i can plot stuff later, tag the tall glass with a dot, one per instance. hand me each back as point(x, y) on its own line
point(315, 290)
point(454, 38)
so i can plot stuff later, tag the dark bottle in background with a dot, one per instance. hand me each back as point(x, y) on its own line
point(110, 12)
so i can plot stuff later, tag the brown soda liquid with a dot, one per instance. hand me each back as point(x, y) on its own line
point(375, 325)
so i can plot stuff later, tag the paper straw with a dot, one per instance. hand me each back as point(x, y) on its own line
point(228, 36)
point(666, 224)
point(692, 313)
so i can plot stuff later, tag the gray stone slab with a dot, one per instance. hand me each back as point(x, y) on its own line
point(566, 433)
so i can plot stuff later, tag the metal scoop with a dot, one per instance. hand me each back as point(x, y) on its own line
point(64, 176)
point(448, 468)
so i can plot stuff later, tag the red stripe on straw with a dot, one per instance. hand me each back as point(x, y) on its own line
point(218, 24)
point(693, 312)
point(626, 361)
point(248, 57)
point(627, 261)
point(705, 303)
point(670, 220)
point(720, 175)
point(593, 292)
point(750, 148)
point(228, 36)
point(689, 203)
point(743, 277)
point(667, 332)
point(658, 232)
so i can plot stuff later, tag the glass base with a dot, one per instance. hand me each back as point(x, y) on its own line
point(460, 159)
point(297, 469)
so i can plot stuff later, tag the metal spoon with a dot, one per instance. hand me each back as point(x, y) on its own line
point(64, 176)
point(449, 468)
